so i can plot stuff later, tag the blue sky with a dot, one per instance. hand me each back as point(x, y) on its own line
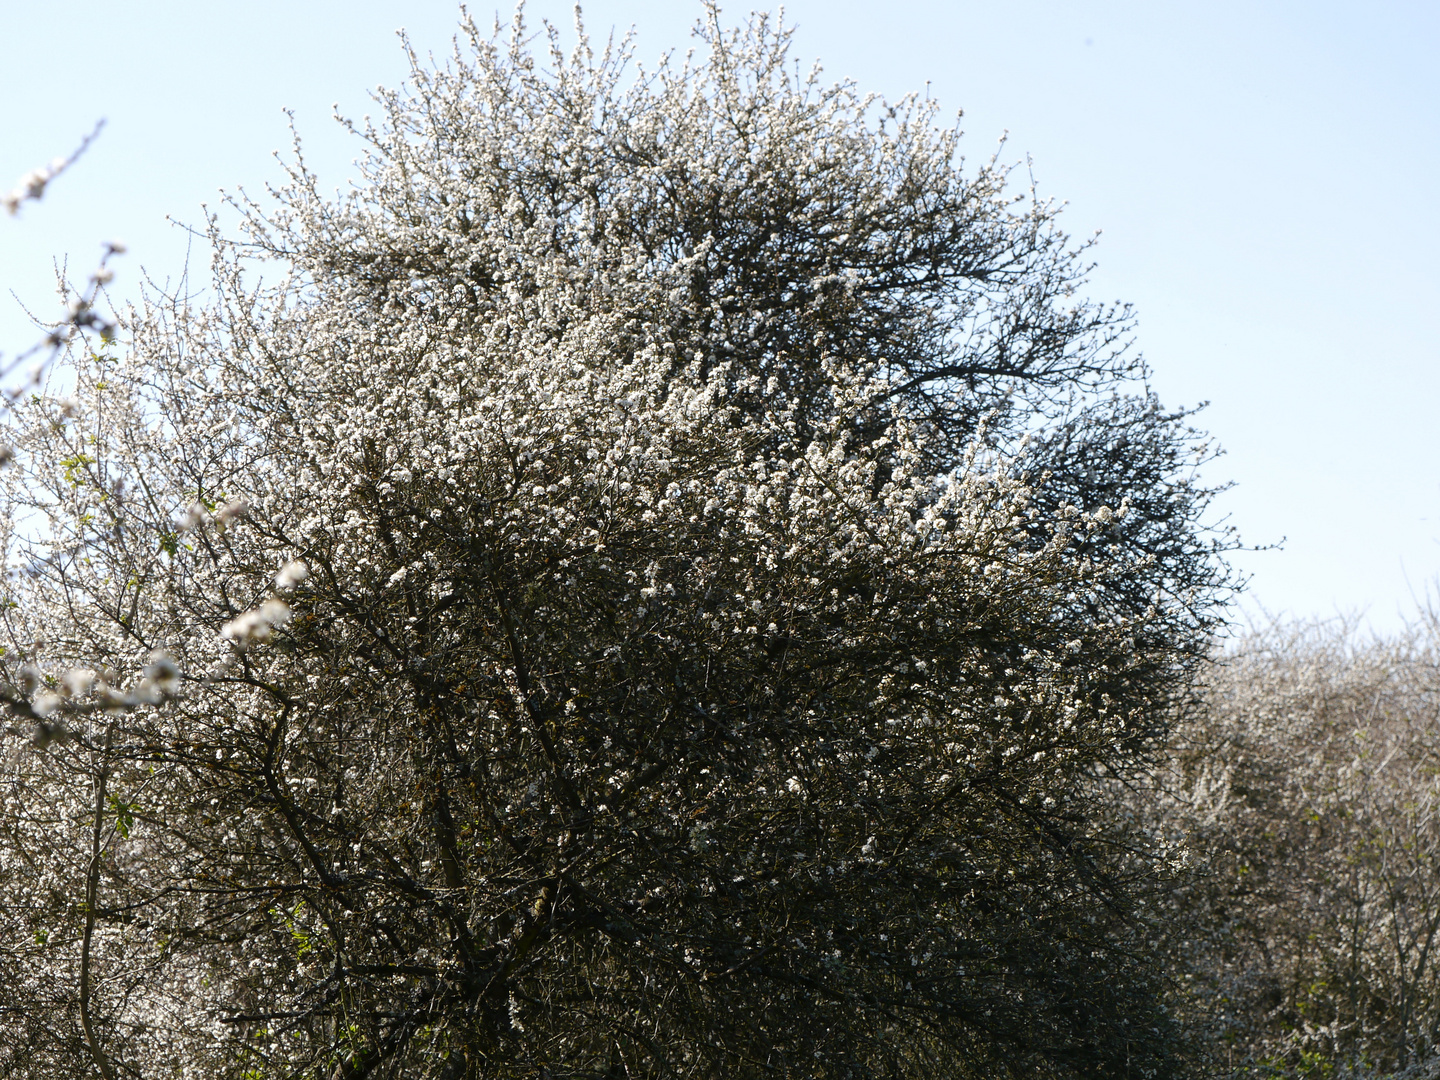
point(1266, 176)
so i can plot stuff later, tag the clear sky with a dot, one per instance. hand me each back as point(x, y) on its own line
point(1266, 175)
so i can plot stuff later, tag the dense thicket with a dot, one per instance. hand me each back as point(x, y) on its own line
point(1308, 787)
point(647, 584)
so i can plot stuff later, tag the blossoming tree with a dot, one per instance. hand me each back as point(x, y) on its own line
point(643, 585)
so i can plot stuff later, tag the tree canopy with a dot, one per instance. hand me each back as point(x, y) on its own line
point(650, 582)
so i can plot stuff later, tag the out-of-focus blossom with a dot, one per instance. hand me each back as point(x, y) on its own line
point(291, 575)
point(258, 625)
point(231, 512)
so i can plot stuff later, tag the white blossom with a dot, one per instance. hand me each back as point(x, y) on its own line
point(291, 575)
